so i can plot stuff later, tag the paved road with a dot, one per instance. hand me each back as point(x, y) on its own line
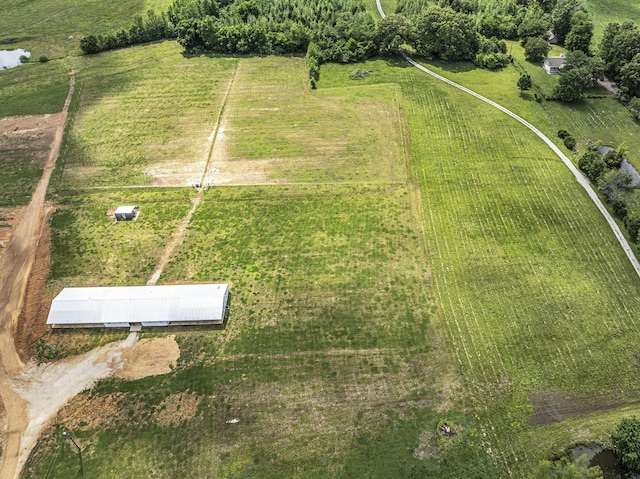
point(584, 182)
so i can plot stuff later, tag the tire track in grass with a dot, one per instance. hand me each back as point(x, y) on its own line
point(184, 223)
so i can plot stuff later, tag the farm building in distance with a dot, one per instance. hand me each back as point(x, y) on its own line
point(552, 65)
point(125, 306)
point(126, 213)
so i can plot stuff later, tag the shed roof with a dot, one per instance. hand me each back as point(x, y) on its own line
point(125, 209)
point(137, 304)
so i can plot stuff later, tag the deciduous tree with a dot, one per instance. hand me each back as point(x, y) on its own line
point(524, 83)
point(626, 437)
point(535, 49)
point(447, 34)
point(561, 16)
point(592, 165)
point(393, 32)
point(630, 77)
point(579, 37)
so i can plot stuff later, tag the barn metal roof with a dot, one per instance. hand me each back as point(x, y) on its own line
point(137, 304)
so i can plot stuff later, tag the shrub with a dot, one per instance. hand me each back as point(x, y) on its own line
point(570, 142)
point(613, 159)
point(632, 223)
point(626, 442)
point(563, 134)
point(592, 165)
point(43, 59)
point(45, 351)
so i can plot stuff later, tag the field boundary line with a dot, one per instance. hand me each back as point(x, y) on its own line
point(584, 182)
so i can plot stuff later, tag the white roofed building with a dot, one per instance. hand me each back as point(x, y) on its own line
point(125, 306)
point(123, 213)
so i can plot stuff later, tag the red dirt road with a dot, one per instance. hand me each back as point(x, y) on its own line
point(15, 266)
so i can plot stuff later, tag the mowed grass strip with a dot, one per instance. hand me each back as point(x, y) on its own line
point(311, 267)
point(145, 115)
point(88, 249)
point(275, 129)
point(536, 293)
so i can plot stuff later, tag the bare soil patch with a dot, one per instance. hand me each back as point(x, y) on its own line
point(9, 216)
point(149, 357)
point(176, 173)
point(85, 412)
point(554, 406)
point(177, 408)
point(30, 136)
point(33, 317)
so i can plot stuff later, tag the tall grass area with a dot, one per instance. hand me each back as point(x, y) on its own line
point(141, 112)
point(280, 131)
point(517, 248)
point(54, 28)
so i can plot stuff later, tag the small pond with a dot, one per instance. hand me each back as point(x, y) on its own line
point(11, 58)
point(605, 459)
point(626, 166)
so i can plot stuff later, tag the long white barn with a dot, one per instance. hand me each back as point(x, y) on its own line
point(125, 306)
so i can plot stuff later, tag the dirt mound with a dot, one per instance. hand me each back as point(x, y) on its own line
point(149, 357)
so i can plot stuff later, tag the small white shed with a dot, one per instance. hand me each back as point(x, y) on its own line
point(126, 212)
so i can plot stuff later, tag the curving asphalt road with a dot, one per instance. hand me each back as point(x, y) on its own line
point(584, 182)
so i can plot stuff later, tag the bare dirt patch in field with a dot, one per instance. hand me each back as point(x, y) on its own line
point(149, 357)
point(554, 406)
point(176, 173)
point(85, 412)
point(31, 136)
point(177, 408)
point(9, 216)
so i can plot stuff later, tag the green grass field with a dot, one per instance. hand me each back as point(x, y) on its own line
point(604, 12)
point(34, 89)
point(144, 116)
point(434, 261)
point(89, 250)
point(53, 28)
point(276, 130)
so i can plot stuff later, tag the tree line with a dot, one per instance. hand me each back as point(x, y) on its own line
point(343, 31)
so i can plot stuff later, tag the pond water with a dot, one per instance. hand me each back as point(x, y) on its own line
point(626, 166)
point(11, 58)
point(605, 459)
